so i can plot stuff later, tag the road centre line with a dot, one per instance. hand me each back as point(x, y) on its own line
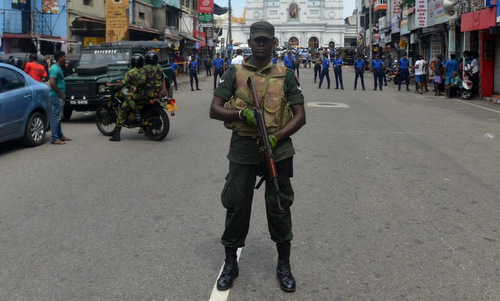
point(222, 295)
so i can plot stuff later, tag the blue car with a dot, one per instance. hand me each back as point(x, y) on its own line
point(24, 107)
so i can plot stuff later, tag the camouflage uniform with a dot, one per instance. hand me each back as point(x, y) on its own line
point(153, 86)
point(135, 79)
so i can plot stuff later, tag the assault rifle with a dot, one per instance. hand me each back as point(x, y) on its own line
point(265, 147)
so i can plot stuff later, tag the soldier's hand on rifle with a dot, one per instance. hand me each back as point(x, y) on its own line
point(248, 116)
point(273, 141)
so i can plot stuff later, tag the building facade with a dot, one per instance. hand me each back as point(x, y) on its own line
point(306, 23)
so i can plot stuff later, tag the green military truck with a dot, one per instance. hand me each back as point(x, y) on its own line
point(86, 88)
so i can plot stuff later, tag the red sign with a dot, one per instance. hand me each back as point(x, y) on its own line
point(478, 20)
point(206, 6)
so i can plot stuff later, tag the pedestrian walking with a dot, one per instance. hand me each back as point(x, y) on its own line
point(338, 62)
point(404, 72)
point(378, 72)
point(218, 68)
point(245, 160)
point(193, 70)
point(57, 96)
point(326, 70)
point(359, 71)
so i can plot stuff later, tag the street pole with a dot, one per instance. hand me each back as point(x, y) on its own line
point(230, 41)
point(371, 31)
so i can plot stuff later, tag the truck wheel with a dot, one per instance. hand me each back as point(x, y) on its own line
point(34, 134)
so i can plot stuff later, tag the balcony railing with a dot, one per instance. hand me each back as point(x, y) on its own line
point(17, 21)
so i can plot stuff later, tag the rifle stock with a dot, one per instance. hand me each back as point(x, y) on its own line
point(266, 146)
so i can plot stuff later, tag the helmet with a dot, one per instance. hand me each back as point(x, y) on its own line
point(16, 61)
point(151, 58)
point(137, 60)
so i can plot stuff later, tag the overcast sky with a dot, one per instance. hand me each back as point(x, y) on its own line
point(237, 6)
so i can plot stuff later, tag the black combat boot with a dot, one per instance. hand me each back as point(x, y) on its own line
point(285, 277)
point(230, 270)
point(116, 135)
point(137, 116)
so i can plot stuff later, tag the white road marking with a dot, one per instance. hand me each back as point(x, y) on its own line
point(222, 295)
point(474, 105)
point(327, 104)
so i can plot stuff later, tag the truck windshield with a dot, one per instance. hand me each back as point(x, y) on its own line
point(105, 56)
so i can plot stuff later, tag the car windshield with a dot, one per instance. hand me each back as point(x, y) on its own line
point(105, 56)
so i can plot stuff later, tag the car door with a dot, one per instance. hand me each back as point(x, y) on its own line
point(16, 100)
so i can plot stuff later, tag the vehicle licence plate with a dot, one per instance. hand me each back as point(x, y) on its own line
point(172, 107)
point(78, 102)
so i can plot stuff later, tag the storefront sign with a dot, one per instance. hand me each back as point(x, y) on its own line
point(395, 16)
point(421, 13)
point(206, 6)
point(117, 23)
point(498, 12)
point(206, 17)
point(490, 3)
point(478, 20)
point(435, 12)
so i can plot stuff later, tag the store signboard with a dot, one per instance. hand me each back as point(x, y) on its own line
point(421, 13)
point(117, 20)
point(206, 6)
point(435, 12)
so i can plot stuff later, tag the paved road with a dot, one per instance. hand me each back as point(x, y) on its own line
point(396, 199)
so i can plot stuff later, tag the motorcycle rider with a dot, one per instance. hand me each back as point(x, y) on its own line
point(135, 79)
point(155, 85)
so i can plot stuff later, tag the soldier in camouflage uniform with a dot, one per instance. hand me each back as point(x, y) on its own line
point(135, 79)
point(284, 115)
point(154, 85)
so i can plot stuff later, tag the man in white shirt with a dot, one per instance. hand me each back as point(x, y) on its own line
point(238, 60)
point(475, 73)
point(420, 73)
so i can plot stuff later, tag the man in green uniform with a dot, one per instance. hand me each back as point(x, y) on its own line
point(284, 114)
point(154, 85)
point(135, 79)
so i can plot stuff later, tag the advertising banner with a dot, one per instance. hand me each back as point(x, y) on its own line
point(435, 12)
point(421, 13)
point(206, 6)
point(48, 6)
point(396, 16)
point(117, 24)
point(205, 18)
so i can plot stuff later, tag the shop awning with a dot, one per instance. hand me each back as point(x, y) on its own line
point(83, 19)
point(172, 37)
point(190, 37)
point(136, 28)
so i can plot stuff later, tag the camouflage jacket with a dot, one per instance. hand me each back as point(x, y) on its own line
point(153, 86)
point(134, 78)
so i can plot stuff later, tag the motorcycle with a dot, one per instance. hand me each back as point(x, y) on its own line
point(467, 85)
point(391, 74)
point(154, 119)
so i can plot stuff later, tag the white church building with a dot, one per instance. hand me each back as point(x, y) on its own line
point(306, 23)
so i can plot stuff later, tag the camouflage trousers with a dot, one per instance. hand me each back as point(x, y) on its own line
point(133, 99)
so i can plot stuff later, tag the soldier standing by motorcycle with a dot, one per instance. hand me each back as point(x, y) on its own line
point(135, 79)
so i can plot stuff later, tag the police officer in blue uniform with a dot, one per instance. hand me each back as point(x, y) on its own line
point(325, 71)
point(378, 72)
point(193, 72)
point(218, 64)
point(359, 70)
point(338, 62)
point(404, 72)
